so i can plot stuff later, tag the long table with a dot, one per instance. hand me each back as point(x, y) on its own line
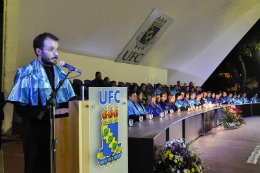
point(144, 136)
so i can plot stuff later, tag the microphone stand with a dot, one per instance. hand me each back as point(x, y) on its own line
point(51, 104)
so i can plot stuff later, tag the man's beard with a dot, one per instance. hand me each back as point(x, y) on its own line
point(46, 61)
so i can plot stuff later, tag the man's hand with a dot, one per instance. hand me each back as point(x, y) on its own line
point(61, 111)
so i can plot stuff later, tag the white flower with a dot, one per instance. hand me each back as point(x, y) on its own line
point(185, 170)
point(159, 162)
point(178, 171)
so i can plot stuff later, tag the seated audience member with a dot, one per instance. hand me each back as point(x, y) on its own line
point(183, 88)
point(224, 98)
point(179, 84)
point(132, 112)
point(205, 98)
point(158, 89)
point(97, 82)
point(183, 94)
point(144, 93)
point(186, 99)
point(133, 88)
point(192, 90)
point(254, 99)
point(218, 100)
point(191, 85)
point(158, 100)
point(197, 90)
point(106, 82)
point(209, 96)
point(230, 100)
point(193, 102)
point(171, 102)
point(178, 101)
point(175, 90)
point(187, 90)
point(139, 105)
point(244, 99)
point(163, 104)
point(113, 83)
point(151, 107)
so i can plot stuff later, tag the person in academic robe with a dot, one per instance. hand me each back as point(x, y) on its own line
point(191, 85)
point(158, 89)
point(186, 99)
point(205, 98)
point(152, 107)
point(106, 82)
point(163, 104)
point(197, 90)
point(199, 100)
point(98, 82)
point(187, 90)
point(140, 105)
point(229, 97)
point(175, 90)
point(217, 100)
point(238, 99)
point(133, 88)
point(179, 103)
point(171, 102)
point(183, 88)
point(234, 98)
point(244, 99)
point(2, 116)
point(158, 100)
point(254, 99)
point(224, 98)
point(32, 87)
point(193, 102)
point(209, 96)
point(132, 109)
point(144, 93)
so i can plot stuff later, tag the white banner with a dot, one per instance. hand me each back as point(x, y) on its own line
point(144, 39)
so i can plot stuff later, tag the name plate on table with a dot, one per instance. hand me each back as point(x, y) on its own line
point(108, 127)
point(171, 111)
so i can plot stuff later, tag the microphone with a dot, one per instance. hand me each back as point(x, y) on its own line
point(71, 68)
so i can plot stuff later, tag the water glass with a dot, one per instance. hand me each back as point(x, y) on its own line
point(131, 122)
point(141, 118)
point(188, 109)
point(179, 109)
point(162, 114)
point(171, 111)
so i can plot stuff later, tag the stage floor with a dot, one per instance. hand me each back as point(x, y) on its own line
point(226, 151)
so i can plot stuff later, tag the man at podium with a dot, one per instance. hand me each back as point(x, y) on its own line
point(32, 87)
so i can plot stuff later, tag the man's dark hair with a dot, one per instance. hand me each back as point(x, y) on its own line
point(106, 78)
point(229, 93)
point(187, 87)
point(132, 87)
point(182, 92)
point(208, 92)
point(138, 93)
point(192, 93)
point(197, 87)
point(38, 42)
point(130, 93)
point(112, 82)
point(142, 85)
point(217, 93)
point(178, 81)
point(97, 73)
point(162, 93)
point(158, 85)
point(178, 94)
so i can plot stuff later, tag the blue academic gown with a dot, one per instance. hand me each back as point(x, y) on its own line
point(209, 99)
point(193, 102)
point(131, 109)
point(174, 92)
point(229, 99)
point(186, 101)
point(171, 106)
point(180, 103)
point(141, 108)
point(196, 92)
point(157, 91)
point(244, 99)
point(217, 100)
point(224, 99)
point(205, 100)
point(254, 99)
point(153, 110)
point(164, 106)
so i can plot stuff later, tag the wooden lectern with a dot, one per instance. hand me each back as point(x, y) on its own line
point(80, 136)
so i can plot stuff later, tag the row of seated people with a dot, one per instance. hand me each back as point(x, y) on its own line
point(157, 103)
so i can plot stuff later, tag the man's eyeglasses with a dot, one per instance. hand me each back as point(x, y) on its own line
point(51, 49)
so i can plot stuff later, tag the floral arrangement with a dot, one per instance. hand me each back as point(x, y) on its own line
point(177, 157)
point(232, 117)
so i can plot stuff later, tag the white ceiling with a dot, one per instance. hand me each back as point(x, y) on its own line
point(102, 28)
